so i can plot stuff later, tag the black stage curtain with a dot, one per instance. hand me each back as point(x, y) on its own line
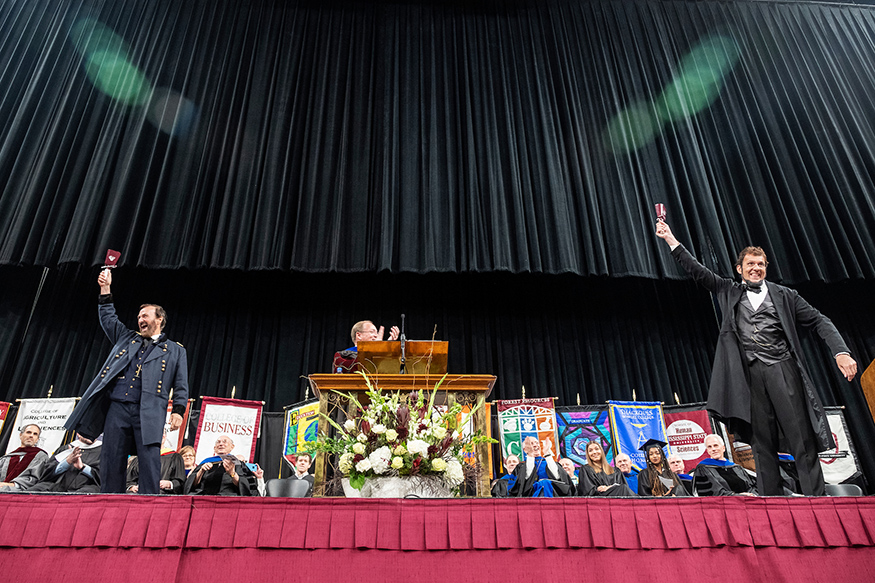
point(436, 136)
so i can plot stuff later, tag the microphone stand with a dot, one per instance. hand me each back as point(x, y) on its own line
point(403, 339)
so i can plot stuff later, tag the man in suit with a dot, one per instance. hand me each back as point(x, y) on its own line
point(758, 382)
point(302, 471)
point(127, 401)
point(364, 331)
point(21, 468)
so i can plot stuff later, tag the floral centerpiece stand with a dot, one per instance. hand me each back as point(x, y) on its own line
point(388, 426)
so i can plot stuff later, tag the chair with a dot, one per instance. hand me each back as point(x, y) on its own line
point(286, 488)
point(843, 490)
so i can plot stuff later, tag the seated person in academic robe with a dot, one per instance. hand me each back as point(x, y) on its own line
point(172, 475)
point(344, 360)
point(568, 466)
point(221, 475)
point(789, 474)
point(188, 463)
point(623, 462)
point(503, 484)
point(598, 478)
point(75, 468)
point(717, 476)
point(21, 468)
point(676, 464)
point(540, 476)
point(657, 479)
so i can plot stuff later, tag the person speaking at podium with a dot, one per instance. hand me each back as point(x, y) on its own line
point(364, 331)
point(758, 382)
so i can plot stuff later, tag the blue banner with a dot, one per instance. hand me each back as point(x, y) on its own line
point(632, 424)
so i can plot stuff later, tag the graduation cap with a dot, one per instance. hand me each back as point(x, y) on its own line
point(651, 442)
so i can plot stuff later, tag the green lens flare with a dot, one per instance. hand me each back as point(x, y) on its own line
point(113, 74)
point(105, 57)
point(631, 128)
point(696, 85)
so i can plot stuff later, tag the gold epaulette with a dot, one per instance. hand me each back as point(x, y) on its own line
point(180, 343)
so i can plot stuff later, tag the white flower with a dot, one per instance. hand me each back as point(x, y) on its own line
point(439, 432)
point(345, 464)
point(363, 466)
point(349, 425)
point(391, 435)
point(438, 465)
point(379, 459)
point(358, 448)
point(417, 446)
point(362, 437)
point(397, 462)
point(379, 428)
point(453, 475)
point(455, 435)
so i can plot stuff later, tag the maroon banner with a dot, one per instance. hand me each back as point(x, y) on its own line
point(686, 433)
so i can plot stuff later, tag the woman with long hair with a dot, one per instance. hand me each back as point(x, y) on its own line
point(598, 478)
point(657, 479)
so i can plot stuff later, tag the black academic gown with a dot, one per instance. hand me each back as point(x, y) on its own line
point(588, 481)
point(172, 470)
point(73, 480)
point(645, 483)
point(730, 480)
point(217, 482)
point(525, 487)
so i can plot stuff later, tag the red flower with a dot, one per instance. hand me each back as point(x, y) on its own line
point(445, 444)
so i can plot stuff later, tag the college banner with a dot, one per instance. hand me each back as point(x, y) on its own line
point(238, 419)
point(577, 426)
point(173, 439)
point(50, 415)
point(686, 431)
point(839, 464)
point(522, 418)
point(4, 409)
point(632, 424)
point(301, 426)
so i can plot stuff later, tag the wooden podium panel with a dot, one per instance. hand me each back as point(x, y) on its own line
point(470, 390)
point(423, 357)
point(867, 381)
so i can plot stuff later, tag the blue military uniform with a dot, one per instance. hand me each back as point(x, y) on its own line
point(127, 401)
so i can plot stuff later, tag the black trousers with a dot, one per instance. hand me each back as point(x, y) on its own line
point(121, 437)
point(778, 401)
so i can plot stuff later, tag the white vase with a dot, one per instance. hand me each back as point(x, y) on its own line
point(403, 487)
point(348, 490)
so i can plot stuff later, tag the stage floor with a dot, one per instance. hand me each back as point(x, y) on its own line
point(178, 538)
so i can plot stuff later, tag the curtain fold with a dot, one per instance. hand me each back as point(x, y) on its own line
point(437, 137)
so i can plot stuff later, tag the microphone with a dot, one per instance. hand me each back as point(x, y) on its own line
point(403, 339)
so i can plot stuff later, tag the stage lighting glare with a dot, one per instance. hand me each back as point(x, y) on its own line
point(89, 36)
point(113, 74)
point(632, 128)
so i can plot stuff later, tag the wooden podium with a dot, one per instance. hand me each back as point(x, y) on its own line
point(470, 390)
point(422, 357)
point(867, 381)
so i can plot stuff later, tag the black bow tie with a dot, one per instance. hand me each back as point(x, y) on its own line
point(753, 287)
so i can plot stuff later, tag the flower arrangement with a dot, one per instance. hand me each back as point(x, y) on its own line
point(401, 435)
